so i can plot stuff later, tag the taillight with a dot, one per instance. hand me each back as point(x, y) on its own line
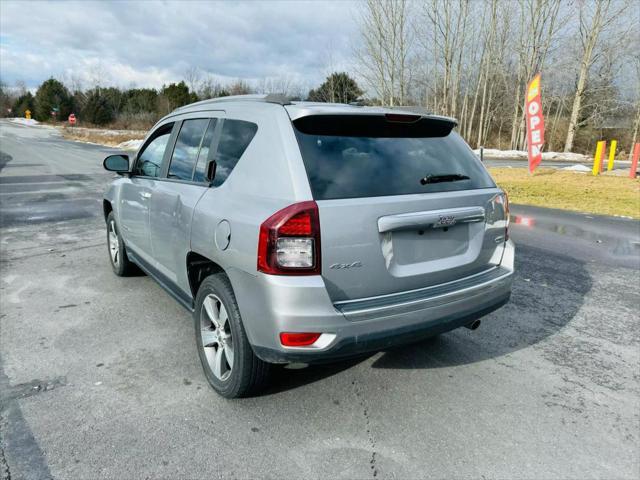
point(289, 242)
point(507, 215)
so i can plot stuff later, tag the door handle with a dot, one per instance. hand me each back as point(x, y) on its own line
point(145, 195)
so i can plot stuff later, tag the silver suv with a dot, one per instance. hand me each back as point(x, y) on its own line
point(305, 232)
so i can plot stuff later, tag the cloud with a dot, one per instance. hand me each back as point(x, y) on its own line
point(148, 43)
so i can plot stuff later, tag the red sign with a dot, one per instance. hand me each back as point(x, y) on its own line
point(72, 119)
point(535, 123)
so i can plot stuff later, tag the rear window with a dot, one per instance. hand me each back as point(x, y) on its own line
point(372, 156)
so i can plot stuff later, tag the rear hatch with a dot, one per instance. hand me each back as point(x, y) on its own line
point(403, 201)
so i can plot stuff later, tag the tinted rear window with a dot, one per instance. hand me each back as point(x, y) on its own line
point(234, 140)
point(375, 157)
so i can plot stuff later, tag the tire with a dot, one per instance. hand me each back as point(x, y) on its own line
point(229, 364)
point(120, 263)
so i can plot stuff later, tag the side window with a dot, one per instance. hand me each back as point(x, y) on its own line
point(235, 138)
point(149, 161)
point(185, 153)
point(199, 173)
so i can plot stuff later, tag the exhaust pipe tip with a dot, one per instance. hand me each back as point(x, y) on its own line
point(473, 325)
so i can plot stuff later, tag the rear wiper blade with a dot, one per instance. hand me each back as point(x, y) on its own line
point(450, 177)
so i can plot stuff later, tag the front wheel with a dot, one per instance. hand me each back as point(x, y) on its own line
point(117, 253)
point(229, 364)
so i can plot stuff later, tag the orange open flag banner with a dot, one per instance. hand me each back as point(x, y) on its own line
point(535, 123)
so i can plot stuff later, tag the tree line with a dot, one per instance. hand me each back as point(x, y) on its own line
point(142, 107)
point(460, 58)
point(472, 60)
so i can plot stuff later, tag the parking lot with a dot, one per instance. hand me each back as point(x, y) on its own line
point(99, 376)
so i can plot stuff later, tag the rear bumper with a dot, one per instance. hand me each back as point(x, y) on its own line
point(353, 344)
point(273, 304)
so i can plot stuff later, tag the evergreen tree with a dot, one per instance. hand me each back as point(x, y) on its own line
point(52, 95)
point(177, 94)
point(339, 87)
point(98, 109)
point(23, 103)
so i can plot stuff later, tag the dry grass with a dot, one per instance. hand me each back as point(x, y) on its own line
point(101, 136)
point(605, 194)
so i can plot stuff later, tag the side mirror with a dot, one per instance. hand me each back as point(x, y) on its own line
point(117, 163)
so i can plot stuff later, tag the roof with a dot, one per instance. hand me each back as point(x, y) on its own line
point(297, 109)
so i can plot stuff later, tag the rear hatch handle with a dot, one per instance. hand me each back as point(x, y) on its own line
point(431, 219)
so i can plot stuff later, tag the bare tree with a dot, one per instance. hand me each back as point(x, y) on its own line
point(193, 77)
point(384, 55)
point(445, 38)
point(20, 87)
point(594, 18)
point(472, 60)
point(538, 26)
point(210, 87)
point(285, 85)
point(96, 76)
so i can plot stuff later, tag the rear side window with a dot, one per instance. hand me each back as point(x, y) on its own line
point(371, 156)
point(203, 157)
point(234, 140)
point(185, 153)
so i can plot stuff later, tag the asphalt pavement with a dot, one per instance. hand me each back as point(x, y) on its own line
point(99, 376)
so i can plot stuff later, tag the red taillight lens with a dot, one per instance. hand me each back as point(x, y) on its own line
point(297, 226)
point(289, 242)
point(298, 339)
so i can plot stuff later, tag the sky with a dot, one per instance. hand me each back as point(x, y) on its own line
point(147, 43)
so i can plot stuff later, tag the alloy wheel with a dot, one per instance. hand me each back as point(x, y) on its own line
point(215, 333)
point(113, 244)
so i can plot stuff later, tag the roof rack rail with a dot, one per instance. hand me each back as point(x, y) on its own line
point(277, 98)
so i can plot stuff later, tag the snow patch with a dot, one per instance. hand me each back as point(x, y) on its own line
point(522, 155)
point(565, 157)
point(24, 121)
point(577, 168)
point(130, 145)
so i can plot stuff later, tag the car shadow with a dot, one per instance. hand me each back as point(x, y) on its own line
point(548, 291)
point(291, 377)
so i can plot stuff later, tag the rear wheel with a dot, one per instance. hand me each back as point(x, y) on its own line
point(229, 364)
point(117, 253)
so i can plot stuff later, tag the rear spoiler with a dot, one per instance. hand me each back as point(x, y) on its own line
point(383, 125)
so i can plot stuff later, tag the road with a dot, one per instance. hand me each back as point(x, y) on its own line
point(99, 376)
point(520, 163)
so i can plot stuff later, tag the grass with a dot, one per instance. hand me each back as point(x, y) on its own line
point(604, 194)
point(111, 138)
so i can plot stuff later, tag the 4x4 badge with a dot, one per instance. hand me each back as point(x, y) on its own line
point(340, 266)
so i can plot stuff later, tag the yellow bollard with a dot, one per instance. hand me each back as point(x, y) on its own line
point(597, 158)
point(612, 154)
